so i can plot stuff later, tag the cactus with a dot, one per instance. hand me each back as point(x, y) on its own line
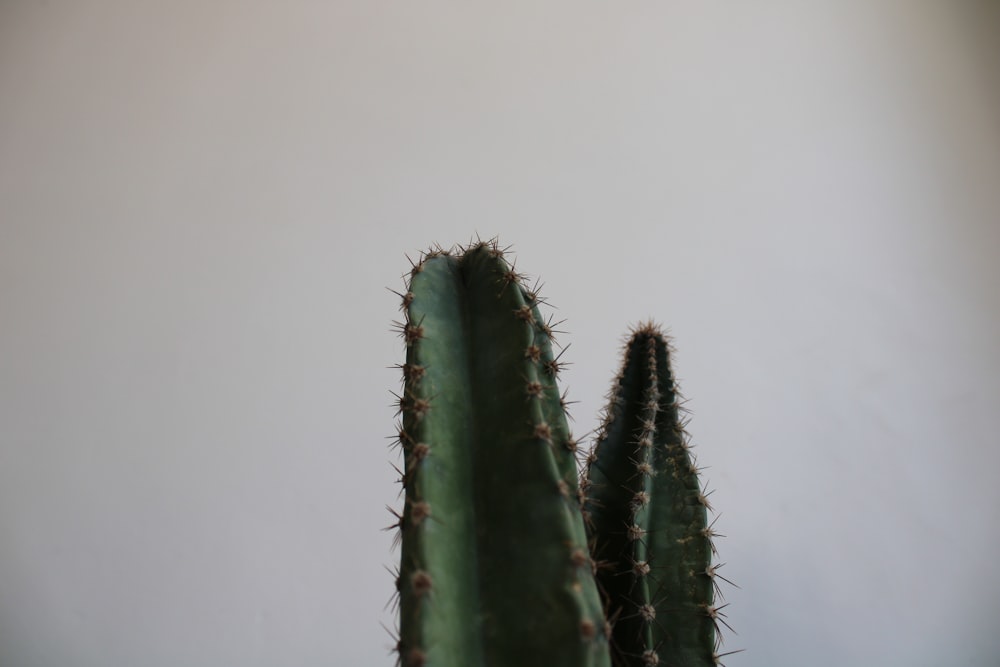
point(494, 566)
point(647, 518)
point(506, 559)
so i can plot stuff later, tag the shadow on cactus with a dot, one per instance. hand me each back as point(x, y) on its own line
point(498, 566)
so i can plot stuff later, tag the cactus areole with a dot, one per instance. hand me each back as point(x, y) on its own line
point(494, 566)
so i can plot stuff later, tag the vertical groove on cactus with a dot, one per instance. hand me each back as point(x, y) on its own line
point(647, 519)
point(494, 566)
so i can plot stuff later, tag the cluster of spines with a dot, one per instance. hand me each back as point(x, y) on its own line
point(660, 587)
point(548, 425)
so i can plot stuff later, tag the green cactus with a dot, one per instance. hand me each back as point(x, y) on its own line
point(503, 551)
point(494, 567)
point(647, 518)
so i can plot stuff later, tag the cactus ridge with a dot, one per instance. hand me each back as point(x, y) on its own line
point(493, 544)
point(647, 518)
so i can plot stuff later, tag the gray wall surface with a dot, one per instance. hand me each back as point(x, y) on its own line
point(202, 203)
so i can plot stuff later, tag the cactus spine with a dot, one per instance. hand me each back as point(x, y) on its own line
point(494, 567)
point(647, 517)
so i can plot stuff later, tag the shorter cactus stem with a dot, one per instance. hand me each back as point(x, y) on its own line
point(648, 518)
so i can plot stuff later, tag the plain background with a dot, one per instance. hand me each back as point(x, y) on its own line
point(202, 203)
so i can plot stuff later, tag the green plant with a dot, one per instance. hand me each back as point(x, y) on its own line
point(648, 518)
point(498, 565)
point(494, 568)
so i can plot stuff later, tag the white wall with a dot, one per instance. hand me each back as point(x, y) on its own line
point(202, 203)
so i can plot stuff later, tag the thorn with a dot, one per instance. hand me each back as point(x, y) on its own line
point(494, 248)
point(402, 438)
point(394, 635)
point(716, 656)
point(402, 479)
point(564, 404)
point(418, 407)
point(710, 533)
point(409, 331)
point(715, 613)
point(525, 313)
point(400, 403)
point(511, 276)
point(548, 329)
point(534, 389)
point(712, 572)
point(532, 295)
point(703, 500)
point(635, 532)
point(534, 353)
point(412, 373)
point(639, 500)
point(398, 527)
point(406, 299)
point(555, 365)
point(392, 604)
point(415, 267)
point(436, 250)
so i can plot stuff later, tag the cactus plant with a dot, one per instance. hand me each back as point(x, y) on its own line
point(507, 559)
point(647, 518)
point(494, 567)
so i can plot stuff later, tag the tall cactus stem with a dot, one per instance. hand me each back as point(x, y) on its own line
point(493, 545)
